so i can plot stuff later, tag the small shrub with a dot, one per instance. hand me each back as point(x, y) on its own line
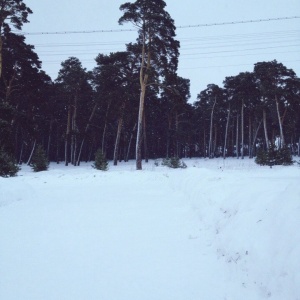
point(100, 161)
point(261, 157)
point(285, 157)
point(39, 160)
point(274, 156)
point(174, 163)
point(8, 165)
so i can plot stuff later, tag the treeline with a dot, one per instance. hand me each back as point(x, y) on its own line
point(82, 111)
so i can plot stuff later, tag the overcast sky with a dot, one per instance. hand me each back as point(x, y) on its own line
point(208, 54)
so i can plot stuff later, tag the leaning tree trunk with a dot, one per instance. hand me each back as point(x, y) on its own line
point(85, 133)
point(31, 153)
point(117, 143)
point(226, 133)
point(210, 145)
point(130, 141)
point(105, 127)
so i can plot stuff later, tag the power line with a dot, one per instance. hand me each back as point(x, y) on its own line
point(239, 22)
point(178, 27)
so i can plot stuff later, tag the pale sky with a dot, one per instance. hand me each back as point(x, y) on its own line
point(208, 54)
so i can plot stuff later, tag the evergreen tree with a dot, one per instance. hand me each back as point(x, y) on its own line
point(174, 162)
point(39, 160)
point(159, 55)
point(274, 156)
point(100, 161)
point(8, 165)
point(12, 12)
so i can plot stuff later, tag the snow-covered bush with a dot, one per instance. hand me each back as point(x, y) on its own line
point(174, 162)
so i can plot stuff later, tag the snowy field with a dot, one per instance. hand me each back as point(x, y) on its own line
point(218, 230)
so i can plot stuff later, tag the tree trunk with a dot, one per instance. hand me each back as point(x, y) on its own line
point(242, 130)
point(215, 140)
point(57, 145)
point(105, 127)
point(143, 83)
point(49, 138)
point(1, 50)
point(117, 143)
point(177, 129)
point(237, 137)
point(30, 156)
point(21, 153)
point(265, 128)
point(169, 136)
point(67, 136)
point(254, 138)
point(282, 142)
point(204, 143)
point(130, 141)
point(210, 145)
point(145, 139)
point(140, 130)
point(226, 133)
point(250, 138)
point(74, 133)
point(85, 132)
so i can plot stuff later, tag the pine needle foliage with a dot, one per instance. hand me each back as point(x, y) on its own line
point(174, 163)
point(100, 161)
point(39, 160)
point(274, 156)
point(8, 165)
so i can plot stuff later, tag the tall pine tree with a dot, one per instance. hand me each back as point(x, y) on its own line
point(159, 54)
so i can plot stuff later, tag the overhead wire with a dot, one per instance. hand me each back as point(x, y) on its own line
point(191, 48)
point(178, 27)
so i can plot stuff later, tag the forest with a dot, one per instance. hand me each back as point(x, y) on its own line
point(134, 104)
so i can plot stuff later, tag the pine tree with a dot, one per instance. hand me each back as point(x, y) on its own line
point(174, 163)
point(39, 160)
point(159, 51)
point(100, 161)
point(284, 156)
point(274, 156)
point(8, 165)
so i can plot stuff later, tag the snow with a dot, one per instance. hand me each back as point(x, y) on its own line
point(218, 230)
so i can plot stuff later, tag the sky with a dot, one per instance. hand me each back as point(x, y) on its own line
point(208, 53)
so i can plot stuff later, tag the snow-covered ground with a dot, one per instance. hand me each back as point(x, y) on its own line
point(218, 230)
